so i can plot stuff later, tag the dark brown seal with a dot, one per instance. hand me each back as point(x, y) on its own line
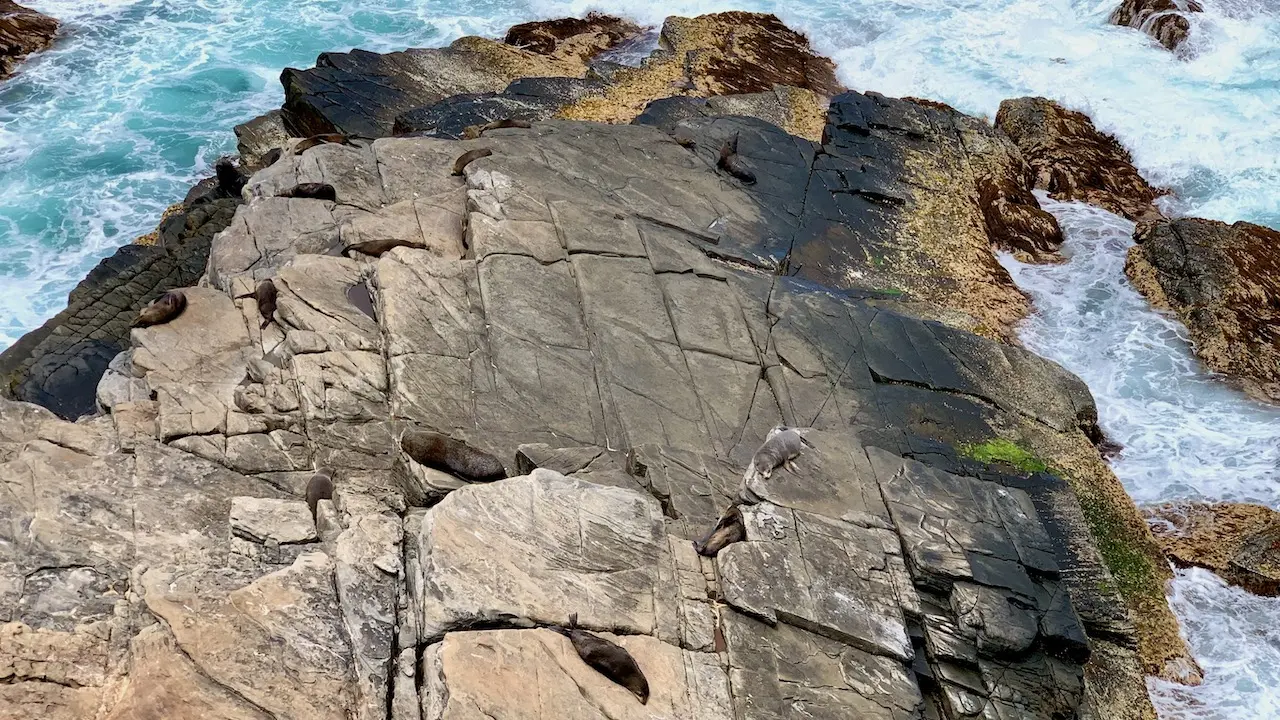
point(468, 157)
point(453, 456)
point(270, 157)
point(314, 140)
point(726, 532)
point(319, 487)
point(163, 309)
point(609, 659)
point(230, 180)
point(731, 162)
point(265, 294)
point(312, 191)
point(474, 131)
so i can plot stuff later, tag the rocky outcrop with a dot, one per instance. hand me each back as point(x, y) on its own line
point(59, 364)
point(1073, 160)
point(599, 306)
point(1164, 20)
point(22, 31)
point(1238, 542)
point(1223, 281)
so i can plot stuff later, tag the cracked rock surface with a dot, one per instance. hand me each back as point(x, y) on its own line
point(606, 312)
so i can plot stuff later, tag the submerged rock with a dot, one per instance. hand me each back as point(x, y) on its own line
point(1164, 20)
point(1073, 160)
point(1238, 542)
point(1223, 281)
point(22, 31)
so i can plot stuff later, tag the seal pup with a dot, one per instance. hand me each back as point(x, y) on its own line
point(469, 157)
point(265, 294)
point(731, 162)
point(319, 487)
point(609, 659)
point(312, 191)
point(230, 180)
point(471, 132)
point(161, 310)
point(729, 530)
point(334, 138)
point(453, 456)
point(781, 446)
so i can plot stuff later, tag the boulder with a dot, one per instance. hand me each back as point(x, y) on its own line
point(1164, 20)
point(1223, 281)
point(578, 37)
point(22, 31)
point(1238, 542)
point(1073, 160)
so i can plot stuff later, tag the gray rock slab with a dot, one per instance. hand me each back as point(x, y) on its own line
point(266, 519)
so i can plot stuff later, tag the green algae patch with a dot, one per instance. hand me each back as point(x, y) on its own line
point(1005, 452)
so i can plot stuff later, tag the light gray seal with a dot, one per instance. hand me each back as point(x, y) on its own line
point(781, 446)
point(607, 658)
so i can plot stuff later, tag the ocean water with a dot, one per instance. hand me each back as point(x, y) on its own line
point(139, 97)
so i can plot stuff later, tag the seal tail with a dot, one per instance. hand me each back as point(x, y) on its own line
point(573, 621)
point(264, 324)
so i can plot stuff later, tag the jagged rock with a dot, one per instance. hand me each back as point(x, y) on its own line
point(59, 364)
point(260, 136)
point(263, 519)
point(1073, 160)
point(1164, 20)
point(579, 37)
point(1223, 281)
point(484, 554)
point(22, 31)
point(1236, 541)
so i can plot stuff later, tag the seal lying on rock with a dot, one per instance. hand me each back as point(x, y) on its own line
point(163, 309)
point(453, 456)
point(312, 191)
point(265, 294)
point(471, 132)
point(314, 140)
point(607, 658)
point(731, 162)
point(781, 446)
point(319, 487)
point(469, 157)
point(726, 532)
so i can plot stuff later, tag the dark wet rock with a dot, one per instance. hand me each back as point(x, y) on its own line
point(59, 364)
point(1223, 281)
point(549, 37)
point(22, 31)
point(1164, 20)
point(1073, 160)
point(1237, 541)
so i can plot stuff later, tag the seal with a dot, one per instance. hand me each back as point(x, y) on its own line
point(334, 138)
point(312, 191)
point(270, 157)
point(731, 162)
point(781, 446)
point(265, 294)
point(230, 180)
point(471, 132)
point(161, 310)
point(319, 487)
point(726, 532)
point(468, 157)
point(453, 456)
point(609, 659)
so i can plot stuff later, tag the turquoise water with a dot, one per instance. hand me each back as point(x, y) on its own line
point(139, 97)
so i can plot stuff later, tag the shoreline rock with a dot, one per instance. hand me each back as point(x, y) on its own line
point(23, 31)
point(1236, 541)
point(1164, 20)
point(609, 293)
point(1072, 160)
point(1223, 281)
